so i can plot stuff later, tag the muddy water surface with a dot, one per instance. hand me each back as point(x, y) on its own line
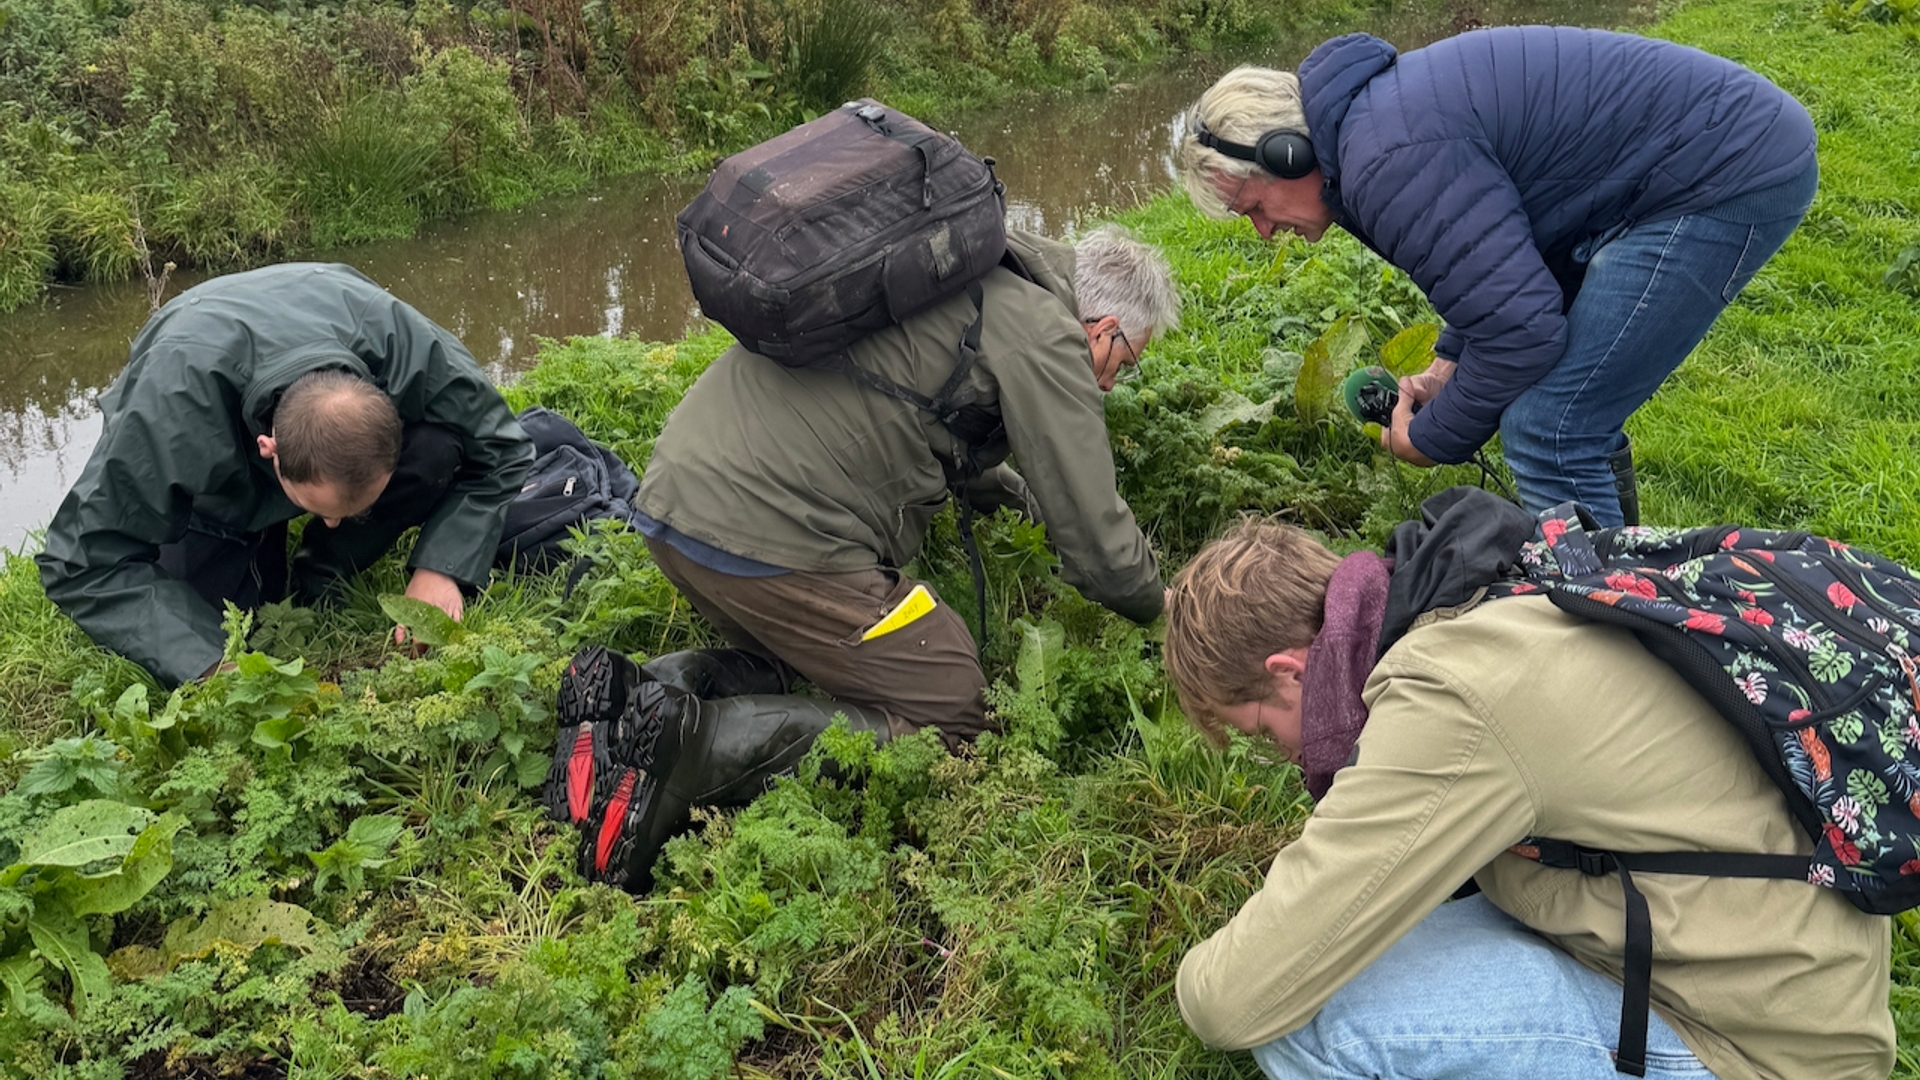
point(604, 262)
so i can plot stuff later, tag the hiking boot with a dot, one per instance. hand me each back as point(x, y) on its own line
point(722, 752)
point(594, 695)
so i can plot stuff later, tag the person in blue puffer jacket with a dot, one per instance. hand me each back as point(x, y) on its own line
point(1578, 205)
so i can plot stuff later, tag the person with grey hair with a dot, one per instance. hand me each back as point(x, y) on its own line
point(783, 503)
point(1578, 205)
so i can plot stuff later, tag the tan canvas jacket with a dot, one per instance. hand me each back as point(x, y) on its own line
point(1515, 719)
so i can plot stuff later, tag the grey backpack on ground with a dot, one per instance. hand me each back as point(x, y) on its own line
point(574, 481)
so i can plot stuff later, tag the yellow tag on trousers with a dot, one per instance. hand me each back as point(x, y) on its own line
point(917, 603)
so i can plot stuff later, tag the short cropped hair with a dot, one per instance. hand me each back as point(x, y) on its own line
point(1258, 590)
point(1115, 274)
point(1246, 103)
point(331, 426)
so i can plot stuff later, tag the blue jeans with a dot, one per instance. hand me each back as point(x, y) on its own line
point(1471, 994)
point(1649, 296)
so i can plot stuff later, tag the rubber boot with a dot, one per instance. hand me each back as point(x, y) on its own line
point(594, 694)
point(1624, 482)
point(720, 673)
point(608, 713)
point(722, 752)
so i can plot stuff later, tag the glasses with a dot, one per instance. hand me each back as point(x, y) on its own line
point(1233, 204)
point(1129, 370)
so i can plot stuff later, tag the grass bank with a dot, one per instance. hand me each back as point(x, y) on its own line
point(332, 866)
point(223, 133)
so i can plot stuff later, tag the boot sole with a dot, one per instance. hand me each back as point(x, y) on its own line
point(592, 693)
point(607, 848)
point(587, 759)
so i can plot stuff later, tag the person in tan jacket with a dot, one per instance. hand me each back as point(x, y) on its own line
point(1485, 723)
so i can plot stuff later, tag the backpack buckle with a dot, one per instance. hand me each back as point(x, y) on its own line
point(1592, 863)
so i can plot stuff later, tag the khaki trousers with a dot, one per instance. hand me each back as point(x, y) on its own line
point(926, 673)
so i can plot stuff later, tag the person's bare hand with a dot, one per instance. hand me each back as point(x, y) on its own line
point(437, 589)
point(1426, 386)
point(1414, 390)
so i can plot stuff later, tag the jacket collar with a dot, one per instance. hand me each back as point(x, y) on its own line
point(272, 376)
point(1331, 76)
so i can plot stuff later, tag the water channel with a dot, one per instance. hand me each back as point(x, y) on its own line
point(604, 262)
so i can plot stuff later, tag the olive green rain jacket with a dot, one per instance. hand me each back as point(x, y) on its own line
point(177, 446)
point(809, 470)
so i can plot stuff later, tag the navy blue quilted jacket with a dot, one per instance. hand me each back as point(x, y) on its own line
point(1482, 163)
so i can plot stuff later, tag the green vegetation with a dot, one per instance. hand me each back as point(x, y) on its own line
point(328, 864)
point(231, 132)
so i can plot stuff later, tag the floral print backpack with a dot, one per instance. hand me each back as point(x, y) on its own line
point(1810, 648)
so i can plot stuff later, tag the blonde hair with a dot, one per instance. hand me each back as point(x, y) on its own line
point(1244, 104)
point(1116, 274)
point(1258, 590)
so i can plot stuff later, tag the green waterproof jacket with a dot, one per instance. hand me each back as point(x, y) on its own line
point(178, 446)
point(808, 470)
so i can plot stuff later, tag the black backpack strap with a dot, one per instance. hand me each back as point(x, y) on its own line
point(922, 144)
point(946, 408)
point(1636, 994)
point(969, 465)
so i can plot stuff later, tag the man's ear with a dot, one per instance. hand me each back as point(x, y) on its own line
point(1286, 669)
point(267, 446)
point(1105, 324)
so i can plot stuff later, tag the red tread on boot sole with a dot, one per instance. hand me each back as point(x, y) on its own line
point(612, 819)
point(580, 776)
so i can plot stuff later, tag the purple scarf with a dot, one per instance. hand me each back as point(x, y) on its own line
point(1338, 663)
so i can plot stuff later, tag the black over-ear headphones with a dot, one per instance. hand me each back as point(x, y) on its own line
point(1283, 152)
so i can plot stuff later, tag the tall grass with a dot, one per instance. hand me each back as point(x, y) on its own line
point(363, 173)
point(832, 47)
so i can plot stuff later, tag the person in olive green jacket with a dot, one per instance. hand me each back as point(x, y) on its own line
point(1485, 723)
point(783, 502)
point(252, 399)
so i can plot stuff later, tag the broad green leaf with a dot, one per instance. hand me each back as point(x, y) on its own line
point(280, 732)
point(1041, 648)
point(90, 760)
point(1232, 408)
point(22, 976)
point(1411, 350)
point(531, 769)
point(366, 844)
point(132, 706)
point(150, 860)
point(426, 623)
point(244, 924)
point(62, 940)
point(376, 832)
point(85, 833)
point(1326, 363)
point(169, 714)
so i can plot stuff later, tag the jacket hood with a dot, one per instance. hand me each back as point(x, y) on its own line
point(1330, 77)
point(1465, 539)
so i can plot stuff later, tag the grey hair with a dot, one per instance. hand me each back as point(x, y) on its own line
point(1115, 274)
point(1246, 103)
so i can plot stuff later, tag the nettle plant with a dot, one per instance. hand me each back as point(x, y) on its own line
point(207, 813)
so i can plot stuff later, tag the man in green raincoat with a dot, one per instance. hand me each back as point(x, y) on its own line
point(248, 401)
